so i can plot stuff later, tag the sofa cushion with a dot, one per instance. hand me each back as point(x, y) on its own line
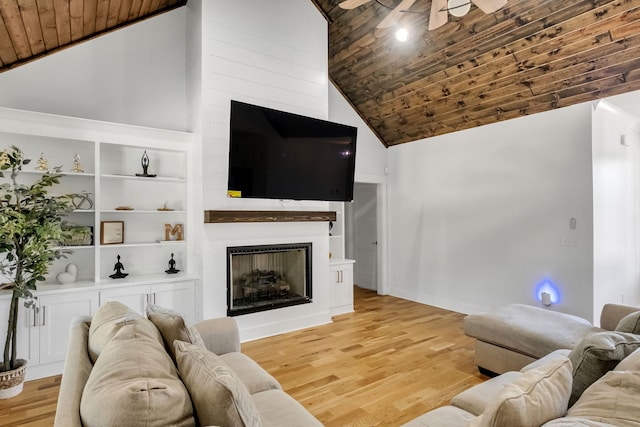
point(250, 373)
point(477, 398)
point(630, 363)
point(135, 383)
point(539, 395)
point(278, 409)
point(208, 380)
point(107, 321)
point(597, 354)
point(630, 323)
point(449, 416)
point(172, 326)
point(575, 422)
point(613, 399)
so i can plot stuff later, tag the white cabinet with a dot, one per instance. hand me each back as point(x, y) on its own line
point(25, 349)
point(341, 286)
point(43, 330)
point(178, 296)
point(54, 315)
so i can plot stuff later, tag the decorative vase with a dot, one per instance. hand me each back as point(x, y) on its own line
point(11, 382)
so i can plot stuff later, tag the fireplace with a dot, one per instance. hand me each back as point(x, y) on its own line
point(266, 277)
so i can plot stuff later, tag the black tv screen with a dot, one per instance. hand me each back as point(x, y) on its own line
point(278, 155)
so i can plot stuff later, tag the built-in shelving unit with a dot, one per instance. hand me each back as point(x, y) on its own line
point(152, 209)
point(341, 269)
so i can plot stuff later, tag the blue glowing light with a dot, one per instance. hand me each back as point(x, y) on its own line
point(549, 287)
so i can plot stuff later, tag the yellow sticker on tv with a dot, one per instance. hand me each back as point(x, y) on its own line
point(234, 193)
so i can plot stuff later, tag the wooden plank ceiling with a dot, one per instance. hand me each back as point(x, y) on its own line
point(31, 29)
point(530, 56)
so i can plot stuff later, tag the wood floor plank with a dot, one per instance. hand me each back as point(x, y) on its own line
point(387, 363)
point(383, 365)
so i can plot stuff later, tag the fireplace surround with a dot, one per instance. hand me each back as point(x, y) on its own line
point(266, 277)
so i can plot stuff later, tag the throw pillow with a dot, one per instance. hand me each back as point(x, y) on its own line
point(193, 336)
point(613, 399)
point(629, 323)
point(209, 380)
point(172, 328)
point(597, 354)
point(537, 396)
point(107, 321)
point(134, 383)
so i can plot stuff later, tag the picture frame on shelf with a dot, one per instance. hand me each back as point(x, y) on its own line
point(111, 232)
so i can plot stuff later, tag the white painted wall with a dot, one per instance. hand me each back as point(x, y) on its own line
point(476, 218)
point(371, 154)
point(616, 199)
point(135, 75)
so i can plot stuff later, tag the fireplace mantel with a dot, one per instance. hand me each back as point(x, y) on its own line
point(218, 217)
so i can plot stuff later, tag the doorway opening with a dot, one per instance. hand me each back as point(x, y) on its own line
point(363, 232)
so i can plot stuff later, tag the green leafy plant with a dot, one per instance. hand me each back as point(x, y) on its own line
point(31, 223)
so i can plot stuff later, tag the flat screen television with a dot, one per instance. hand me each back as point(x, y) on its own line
point(278, 155)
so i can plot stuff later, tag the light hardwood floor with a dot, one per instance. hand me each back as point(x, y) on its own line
point(387, 363)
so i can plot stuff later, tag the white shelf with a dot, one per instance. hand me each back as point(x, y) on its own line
point(63, 173)
point(144, 178)
point(146, 244)
point(141, 211)
point(74, 248)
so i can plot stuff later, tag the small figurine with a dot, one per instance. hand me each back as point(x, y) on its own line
point(43, 164)
point(118, 268)
point(82, 201)
point(145, 166)
point(172, 266)
point(77, 166)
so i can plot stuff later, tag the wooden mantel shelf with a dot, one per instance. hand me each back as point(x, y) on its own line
point(218, 217)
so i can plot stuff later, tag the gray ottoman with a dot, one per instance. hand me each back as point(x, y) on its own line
point(512, 336)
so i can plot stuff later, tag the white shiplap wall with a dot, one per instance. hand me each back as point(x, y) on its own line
point(272, 54)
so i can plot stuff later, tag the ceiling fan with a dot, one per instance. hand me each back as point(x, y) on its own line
point(439, 9)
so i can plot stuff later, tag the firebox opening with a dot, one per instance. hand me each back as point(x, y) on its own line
point(266, 277)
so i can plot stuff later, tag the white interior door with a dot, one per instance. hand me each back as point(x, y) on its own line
point(365, 226)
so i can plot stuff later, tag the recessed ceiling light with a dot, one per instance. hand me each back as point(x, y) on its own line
point(402, 34)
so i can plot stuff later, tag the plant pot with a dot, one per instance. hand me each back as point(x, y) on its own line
point(11, 382)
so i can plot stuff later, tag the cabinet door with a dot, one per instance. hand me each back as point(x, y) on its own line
point(134, 297)
point(55, 315)
point(176, 296)
point(341, 288)
point(25, 321)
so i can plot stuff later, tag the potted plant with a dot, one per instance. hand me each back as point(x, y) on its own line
point(31, 223)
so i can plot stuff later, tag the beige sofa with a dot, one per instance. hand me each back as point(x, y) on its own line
point(597, 384)
point(512, 336)
point(123, 369)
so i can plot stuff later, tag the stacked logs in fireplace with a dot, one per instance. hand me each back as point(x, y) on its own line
point(259, 285)
point(267, 277)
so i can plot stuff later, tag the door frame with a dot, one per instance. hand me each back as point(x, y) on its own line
point(381, 231)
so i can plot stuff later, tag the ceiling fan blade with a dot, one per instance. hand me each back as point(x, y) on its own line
point(439, 15)
point(489, 6)
point(352, 4)
point(395, 14)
